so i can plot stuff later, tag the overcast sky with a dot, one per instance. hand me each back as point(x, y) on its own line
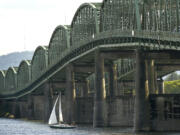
point(26, 24)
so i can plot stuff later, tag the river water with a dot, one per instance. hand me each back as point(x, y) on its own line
point(23, 127)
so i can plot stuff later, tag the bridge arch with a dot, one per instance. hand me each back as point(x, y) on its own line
point(85, 22)
point(59, 42)
point(2, 81)
point(39, 62)
point(11, 80)
point(23, 74)
point(118, 14)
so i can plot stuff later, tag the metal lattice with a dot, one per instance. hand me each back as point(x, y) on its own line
point(23, 74)
point(161, 15)
point(118, 14)
point(59, 43)
point(39, 62)
point(11, 80)
point(85, 22)
point(2, 81)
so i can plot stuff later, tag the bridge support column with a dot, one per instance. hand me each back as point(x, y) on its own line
point(70, 95)
point(47, 101)
point(23, 107)
point(141, 116)
point(16, 109)
point(156, 82)
point(85, 89)
point(113, 80)
point(161, 86)
point(151, 76)
point(3, 108)
point(100, 117)
point(30, 104)
point(8, 106)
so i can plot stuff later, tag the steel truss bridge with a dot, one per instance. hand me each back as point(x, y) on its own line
point(115, 33)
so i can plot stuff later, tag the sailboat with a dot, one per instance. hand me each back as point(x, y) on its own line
point(53, 122)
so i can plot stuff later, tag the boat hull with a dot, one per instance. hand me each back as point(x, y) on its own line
point(62, 126)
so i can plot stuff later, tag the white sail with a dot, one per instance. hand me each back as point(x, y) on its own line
point(60, 109)
point(53, 118)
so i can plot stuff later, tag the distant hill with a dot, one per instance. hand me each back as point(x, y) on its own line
point(14, 59)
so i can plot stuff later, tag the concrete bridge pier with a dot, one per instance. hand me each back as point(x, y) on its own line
point(100, 116)
point(3, 107)
point(23, 103)
point(113, 80)
point(30, 105)
point(9, 106)
point(16, 109)
point(85, 89)
point(70, 94)
point(141, 121)
point(48, 101)
point(151, 76)
point(161, 86)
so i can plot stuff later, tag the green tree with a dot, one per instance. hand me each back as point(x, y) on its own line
point(172, 87)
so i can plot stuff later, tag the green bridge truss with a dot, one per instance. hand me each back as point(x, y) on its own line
point(150, 24)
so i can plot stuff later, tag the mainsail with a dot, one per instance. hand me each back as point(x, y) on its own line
point(53, 123)
point(53, 118)
point(60, 109)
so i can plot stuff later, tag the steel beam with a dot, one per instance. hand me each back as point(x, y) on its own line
point(117, 55)
point(167, 67)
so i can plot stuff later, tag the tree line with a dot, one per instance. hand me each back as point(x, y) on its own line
point(172, 83)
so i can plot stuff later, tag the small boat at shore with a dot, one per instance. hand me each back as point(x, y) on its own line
point(53, 122)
